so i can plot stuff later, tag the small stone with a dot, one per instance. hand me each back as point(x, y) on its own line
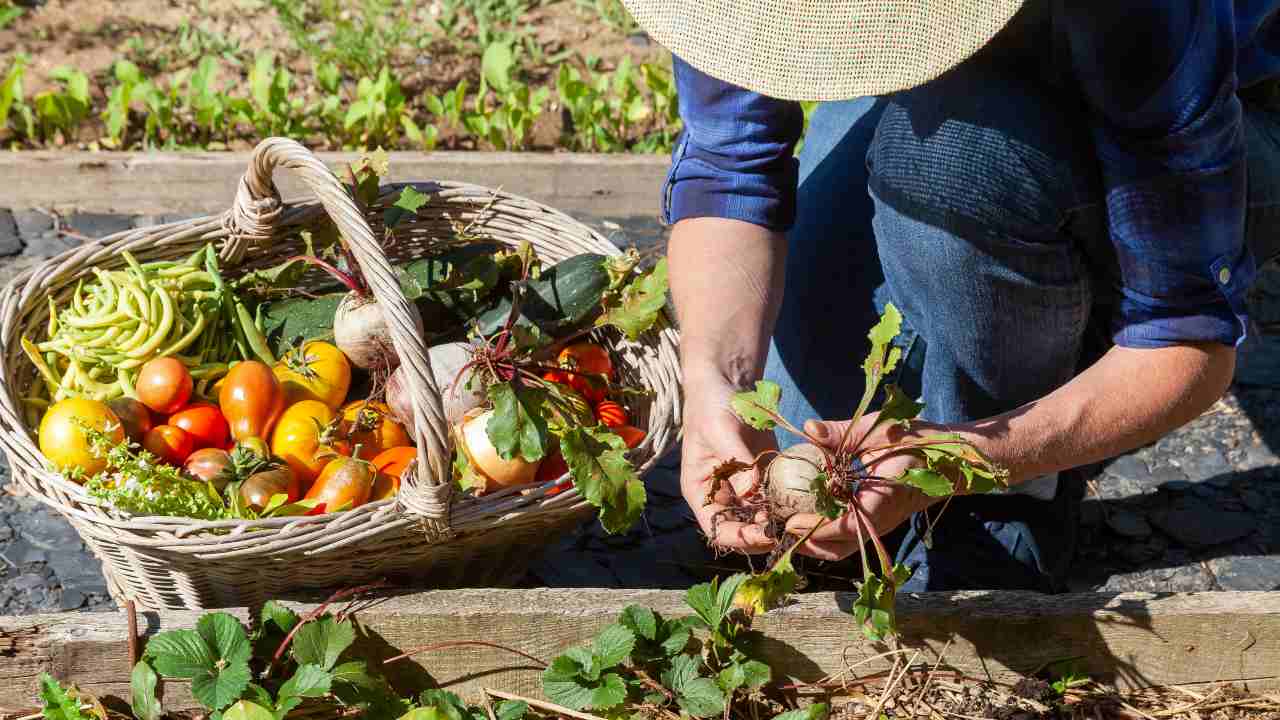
point(1128, 524)
point(29, 581)
point(10, 240)
point(98, 225)
point(47, 530)
point(1206, 464)
point(1247, 572)
point(1195, 524)
point(72, 599)
point(20, 552)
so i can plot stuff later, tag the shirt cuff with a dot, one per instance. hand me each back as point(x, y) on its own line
point(1221, 316)
point(696, 188)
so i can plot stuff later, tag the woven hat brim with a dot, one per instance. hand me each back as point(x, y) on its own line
point(823, 49)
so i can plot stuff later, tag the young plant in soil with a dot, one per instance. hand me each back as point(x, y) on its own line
point(813, 478)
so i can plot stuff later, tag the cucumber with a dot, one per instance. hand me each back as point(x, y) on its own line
point(561, 299)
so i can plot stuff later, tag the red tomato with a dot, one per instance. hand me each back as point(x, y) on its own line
point(252, 399)
point(205, 423)
point(164, 385)
point(588, 358)
point(553, 468)
point(611, 414)
point(171, 444)
point(632, 436)
point(134, 416)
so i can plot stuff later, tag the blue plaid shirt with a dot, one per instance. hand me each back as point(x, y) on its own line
point(1160, 78)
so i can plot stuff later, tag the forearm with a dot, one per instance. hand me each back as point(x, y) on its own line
point(1126, 400)
point(726, 280)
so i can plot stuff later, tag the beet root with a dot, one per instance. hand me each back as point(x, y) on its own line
point(789, 478)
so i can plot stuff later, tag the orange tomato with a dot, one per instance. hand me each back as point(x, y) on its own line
point(164, 385)
point(260, 487)
point(251, 399)
point(204, 422)
point(611, 414)
point(169, 443)
point(370, 426)
point(632, 436)
point(390, 465)
point(344, 483)
point(591, 369)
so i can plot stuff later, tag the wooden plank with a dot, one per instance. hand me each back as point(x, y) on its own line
point(204, 182)
point(1129, 640)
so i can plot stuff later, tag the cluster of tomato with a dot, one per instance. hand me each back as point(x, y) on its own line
point(319, 448)
point(583, 367)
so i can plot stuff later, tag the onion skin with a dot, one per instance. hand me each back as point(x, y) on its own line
point(360, 331)
point(788, 478)
point(497, 472)
point(446, 362)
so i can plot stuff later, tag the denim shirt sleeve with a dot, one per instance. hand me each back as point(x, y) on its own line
point(1160, 81)
point(734, 158)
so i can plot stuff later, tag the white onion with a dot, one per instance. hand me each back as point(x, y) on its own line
point(484, 458)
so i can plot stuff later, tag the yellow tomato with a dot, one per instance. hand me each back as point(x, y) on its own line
point(369, 425)
point(319, 372)
point(297, 439)
point(63, 438)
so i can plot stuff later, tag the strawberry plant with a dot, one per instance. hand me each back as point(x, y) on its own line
point(379, 112)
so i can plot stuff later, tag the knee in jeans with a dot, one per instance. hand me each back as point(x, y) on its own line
point(983, 154)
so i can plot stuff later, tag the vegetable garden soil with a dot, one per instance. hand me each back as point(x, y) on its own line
point(90, 35)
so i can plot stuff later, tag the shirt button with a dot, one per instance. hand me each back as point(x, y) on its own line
point(1224, 276)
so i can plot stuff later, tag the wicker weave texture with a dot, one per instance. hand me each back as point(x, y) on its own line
point(823, 49)
point(429, 534)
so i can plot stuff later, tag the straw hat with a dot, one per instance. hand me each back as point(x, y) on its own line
point(823, 49)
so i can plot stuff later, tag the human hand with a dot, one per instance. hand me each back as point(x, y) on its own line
point(714, 434)
point(886, 504)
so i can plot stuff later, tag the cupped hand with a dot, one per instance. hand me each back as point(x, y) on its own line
point(886, 505)
point(713, 434)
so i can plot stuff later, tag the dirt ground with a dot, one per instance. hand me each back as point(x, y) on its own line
point(165, 37)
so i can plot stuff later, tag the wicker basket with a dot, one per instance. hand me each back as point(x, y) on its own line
point(429, 535)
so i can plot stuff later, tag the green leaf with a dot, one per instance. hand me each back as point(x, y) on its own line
point(353, 672)
point(701, 697)
point(609, 693)
point(613, 645)
point(600, 470)
point(321, 641)
point(678, 636)
point(216, 689)
point(683, 670)
point(58, 704)
point(408, 203)
point(825, 503)
point(180, 654)
point(816, 711)
point(448, 704)
point(759, 408)
point(142, 692)
point(273, 613)
point(897, 407)
point(517, 426)
point(566, 689)
point(641, 621)
point(511, 709)
point(930, 482)
point(307, 681)
point(224, 634)
point(496, 65)
point(755, 674)
point(637, 307)
point(246, 710)
point(760, 593)
point(882, 358)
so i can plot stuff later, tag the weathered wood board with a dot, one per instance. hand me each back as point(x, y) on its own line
point(205, 182)
point(1130, 640)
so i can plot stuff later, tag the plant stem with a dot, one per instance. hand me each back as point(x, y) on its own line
point(317, 612)
point(543, 705)
point(347, 279)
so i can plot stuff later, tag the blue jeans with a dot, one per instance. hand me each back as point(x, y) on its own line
point(974, 204)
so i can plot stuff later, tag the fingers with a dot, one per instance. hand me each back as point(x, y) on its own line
point(748, 537)
point(842, 529)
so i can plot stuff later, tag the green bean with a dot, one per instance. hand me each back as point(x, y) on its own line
point(138, 272)
point(77, 300)
point(137, 338)
point(98, 321)
point(160, 297)
point(191, 280)
point(253, 336)
point(108, 286)
point(53, 319)
point(139, 297)
point(173, 270)
point(187, 339)
point(209, 370)
point(50, 375)
point(124, 381)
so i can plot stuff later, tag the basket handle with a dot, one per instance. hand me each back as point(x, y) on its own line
point(257, 205)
